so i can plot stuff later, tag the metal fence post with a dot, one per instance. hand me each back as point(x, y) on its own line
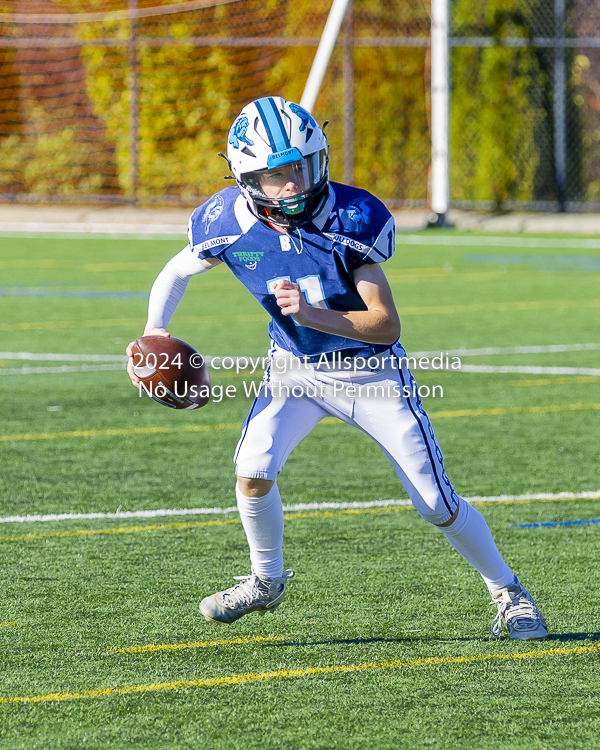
point(560, 110)
point(134, 114)
point(349, 95)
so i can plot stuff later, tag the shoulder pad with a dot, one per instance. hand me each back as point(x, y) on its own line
point(213, 226)
point(362, 224)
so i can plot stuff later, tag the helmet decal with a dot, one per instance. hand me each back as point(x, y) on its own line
point(238, 132)
point(305, 116)
point(212, 212)
point(358, 211)
point(269, 114)
point(271, 133)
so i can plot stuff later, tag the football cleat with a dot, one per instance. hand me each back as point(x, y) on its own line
point(251, 594)
point(519, 611)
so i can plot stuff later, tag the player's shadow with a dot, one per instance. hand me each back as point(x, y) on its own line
point(565, 637)
point(560, 637)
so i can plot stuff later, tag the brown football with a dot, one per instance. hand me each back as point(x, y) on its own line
point(171, 372)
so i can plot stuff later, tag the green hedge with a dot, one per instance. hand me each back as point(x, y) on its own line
point(501, 121)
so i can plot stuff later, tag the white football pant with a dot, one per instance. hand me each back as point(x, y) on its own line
point(296, 396)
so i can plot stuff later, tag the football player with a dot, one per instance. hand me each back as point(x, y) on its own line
point(310, 251)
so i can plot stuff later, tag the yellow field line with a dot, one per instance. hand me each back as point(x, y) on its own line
point(118, 530)
point(192, 524)
point(291, 516)
point(344, 512)
point(125, 322)
point(595, 496)
point(91, 267)
point(395, 277)
point(119, 433)
point(8, 624)
point(513, 410)
point(51, 324)
point(431, 310)
point(249, 677)
point(557, 381)
point(328, 420)
point(499, 307)
point(197, 644)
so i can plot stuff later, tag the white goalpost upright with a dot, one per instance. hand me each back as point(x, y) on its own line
point(439, 193)
point(324, 50)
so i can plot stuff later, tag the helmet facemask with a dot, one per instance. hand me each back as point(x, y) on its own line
point(288, 195)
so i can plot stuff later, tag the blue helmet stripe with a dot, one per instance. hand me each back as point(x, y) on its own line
point(273, 123)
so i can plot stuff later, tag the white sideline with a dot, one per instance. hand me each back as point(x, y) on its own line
point(63, 368)
point(86, 228)
point(516, 370)
point(508, 350)
point(507, 369)
point(289, 508)
point(428, 239)
point(31, 356)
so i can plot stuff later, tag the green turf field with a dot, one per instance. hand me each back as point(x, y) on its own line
point(383, 641)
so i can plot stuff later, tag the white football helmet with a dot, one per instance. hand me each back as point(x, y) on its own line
point(279, 156)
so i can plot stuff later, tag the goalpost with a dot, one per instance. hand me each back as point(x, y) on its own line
point(440, 96)
point(440, 102)
point(324, 50)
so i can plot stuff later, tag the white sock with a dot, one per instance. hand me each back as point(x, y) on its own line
point(262, 519)
point(471, 537)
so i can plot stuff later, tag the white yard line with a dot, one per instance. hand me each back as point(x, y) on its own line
point(31, 357)
point(289, 508)
point(64, 368)
point(550, 348)
point(428, 239)
point(85, 229)
point(508, 369)
point(509, 350)
point(516, 369)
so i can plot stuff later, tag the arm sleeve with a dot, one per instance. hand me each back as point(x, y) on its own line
point(170, 286)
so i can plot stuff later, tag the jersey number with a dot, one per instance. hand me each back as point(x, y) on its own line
point(311, 287)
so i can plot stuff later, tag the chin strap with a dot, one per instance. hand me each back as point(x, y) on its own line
point(296, 248)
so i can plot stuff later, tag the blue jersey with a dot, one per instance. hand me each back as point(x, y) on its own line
point(353, 228)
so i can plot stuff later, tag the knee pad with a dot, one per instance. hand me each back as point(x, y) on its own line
point(462, 516)
point(439, 513)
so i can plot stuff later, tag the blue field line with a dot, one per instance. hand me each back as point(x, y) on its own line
point(553, 523)
point(74, 293)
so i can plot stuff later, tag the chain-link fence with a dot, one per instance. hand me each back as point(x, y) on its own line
point(525, 113)
point(129, 102)
point(132, 104)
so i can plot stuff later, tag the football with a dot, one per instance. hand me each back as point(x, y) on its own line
point(171, 372)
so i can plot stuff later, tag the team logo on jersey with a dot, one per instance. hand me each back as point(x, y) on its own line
point(250, 260)
point(238, 132)
point(285, 242)
point(305, 116)
point(212, 212)
point(359, 212)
